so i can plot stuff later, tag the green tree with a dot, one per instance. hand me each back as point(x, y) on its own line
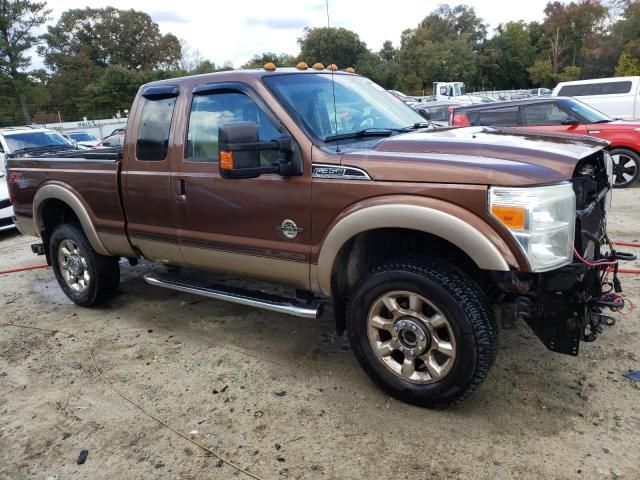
point(627, 65)
point(541, 73)
point(108, 36)
point(443, 47)
point(331, 45)
point(507, 56)
point(282, 60)
point(85, 42)
point(18, 20)
point(571, 32)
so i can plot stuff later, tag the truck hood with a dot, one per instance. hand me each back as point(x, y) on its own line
point(475, 155)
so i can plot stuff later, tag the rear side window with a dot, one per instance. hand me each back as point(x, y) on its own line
point(439, 114)
point(605, 88)
point(499, 117)
point(543, 114)
point(153, 133)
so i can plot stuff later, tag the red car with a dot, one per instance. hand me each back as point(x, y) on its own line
point(562, 114)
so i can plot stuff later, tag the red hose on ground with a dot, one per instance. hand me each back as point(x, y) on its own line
point(22, 269)
point(627, 244)
point(627, 270)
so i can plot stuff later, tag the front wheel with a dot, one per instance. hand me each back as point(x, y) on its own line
point(422, 331)
point(85, 276)
point(626, 167)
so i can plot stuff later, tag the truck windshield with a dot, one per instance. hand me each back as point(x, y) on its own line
point(360, 104)
point(19, 141)
point(590, 114)
point(458, 89)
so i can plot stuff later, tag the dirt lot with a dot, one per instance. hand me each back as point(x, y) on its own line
point(284, 398)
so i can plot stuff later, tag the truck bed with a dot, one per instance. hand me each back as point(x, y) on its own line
point(91, 176)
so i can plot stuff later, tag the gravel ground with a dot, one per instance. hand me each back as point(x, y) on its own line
point(284, 398)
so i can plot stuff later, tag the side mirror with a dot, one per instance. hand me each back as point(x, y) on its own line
point(424, 113)
point(239, 149)
point(570, 120)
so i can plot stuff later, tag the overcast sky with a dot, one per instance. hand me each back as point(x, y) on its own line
point(234, 30)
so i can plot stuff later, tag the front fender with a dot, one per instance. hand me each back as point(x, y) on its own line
point(450, 222)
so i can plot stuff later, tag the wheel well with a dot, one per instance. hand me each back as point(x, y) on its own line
point(54, 213)
point(623, 147)
point(372, 248)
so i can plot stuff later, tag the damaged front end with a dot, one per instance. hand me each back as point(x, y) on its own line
point(566, 305)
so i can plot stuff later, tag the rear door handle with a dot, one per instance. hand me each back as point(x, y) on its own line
point(180, 187)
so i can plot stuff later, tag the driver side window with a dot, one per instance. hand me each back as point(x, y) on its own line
point(211, 110)
point(543, 114)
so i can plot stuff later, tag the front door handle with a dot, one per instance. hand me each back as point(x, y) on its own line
point(180, 187)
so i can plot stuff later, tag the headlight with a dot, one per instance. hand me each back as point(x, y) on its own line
point(542, 219)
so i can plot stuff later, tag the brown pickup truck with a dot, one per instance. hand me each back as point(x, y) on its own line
point(423, 240)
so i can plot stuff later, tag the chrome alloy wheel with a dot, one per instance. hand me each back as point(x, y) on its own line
point(411, 337)
point(624, 169)
point(73, 266)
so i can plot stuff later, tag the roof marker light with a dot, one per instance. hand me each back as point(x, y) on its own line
point(332, 67)
point(269, 67)
point(318, 66)
point(302, 66)
point(350, 70)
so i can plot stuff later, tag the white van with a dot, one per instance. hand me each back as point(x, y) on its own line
point(618, 97)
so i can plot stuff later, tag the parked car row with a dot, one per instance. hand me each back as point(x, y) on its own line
point(29, 139)
point(566, 115)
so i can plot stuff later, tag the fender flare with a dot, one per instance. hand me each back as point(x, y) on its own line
point(488, 254)
point(60, 192)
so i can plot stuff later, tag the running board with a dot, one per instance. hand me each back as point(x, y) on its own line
point(249, 298)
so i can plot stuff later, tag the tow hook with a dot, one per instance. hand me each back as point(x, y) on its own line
point(37, 248)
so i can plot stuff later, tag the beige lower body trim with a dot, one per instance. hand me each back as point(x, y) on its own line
point(26, 226)
point(286, 272)
point(117, 245)
point(268, 269)
point(158, 251)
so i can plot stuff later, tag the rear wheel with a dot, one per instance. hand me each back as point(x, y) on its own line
point(422, 331)
point(626, 167)
point(86, 277)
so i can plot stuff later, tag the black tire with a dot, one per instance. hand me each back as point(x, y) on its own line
point(462, 303)
point(626, 167)
point(103, 271)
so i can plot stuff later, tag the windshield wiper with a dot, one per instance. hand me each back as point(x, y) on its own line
point(367, 132)
point(604, 120)
point(418, 125)
point(375, 132)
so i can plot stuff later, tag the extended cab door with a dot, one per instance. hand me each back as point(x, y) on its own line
point(146, 175)
point(549, 116)
point(258, 227)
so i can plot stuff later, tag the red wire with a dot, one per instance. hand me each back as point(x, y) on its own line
point(22, 269)
point(591, 264)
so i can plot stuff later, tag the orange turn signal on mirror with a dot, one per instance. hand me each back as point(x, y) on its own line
point(226, 160)
point(511, 217)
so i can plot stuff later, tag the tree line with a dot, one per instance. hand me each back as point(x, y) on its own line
point(96, 58)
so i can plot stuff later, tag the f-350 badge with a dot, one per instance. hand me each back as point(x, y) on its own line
point(289, 229)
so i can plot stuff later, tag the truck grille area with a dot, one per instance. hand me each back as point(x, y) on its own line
point(591, 184)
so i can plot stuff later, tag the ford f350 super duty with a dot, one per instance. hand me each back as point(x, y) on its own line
point(321, 181)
